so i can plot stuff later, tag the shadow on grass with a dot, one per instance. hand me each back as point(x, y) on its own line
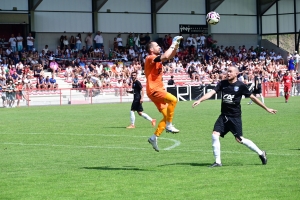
point(295, 149)
point(207, 164)
point(116, 168)
point(123, 127)
point(190, 164)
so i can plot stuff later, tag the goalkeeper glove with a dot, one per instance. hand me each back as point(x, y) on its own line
point(176, 42)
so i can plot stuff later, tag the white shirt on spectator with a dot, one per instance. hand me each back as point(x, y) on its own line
point(29, 41)
point(98, 39)
point(120, 42)
point(12, 41)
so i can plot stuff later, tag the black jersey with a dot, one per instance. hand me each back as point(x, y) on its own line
point(231, 95)
point(136, 88)
point(257, 81)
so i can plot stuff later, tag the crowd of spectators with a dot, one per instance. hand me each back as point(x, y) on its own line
point(84, 61)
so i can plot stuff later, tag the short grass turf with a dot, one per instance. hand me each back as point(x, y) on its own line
point(85, 152)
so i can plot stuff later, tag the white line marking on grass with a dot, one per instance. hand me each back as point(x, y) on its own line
point(63, 145)
point(132, 148)
point(176, 142)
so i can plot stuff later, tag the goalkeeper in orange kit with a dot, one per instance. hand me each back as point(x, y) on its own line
point(164, 101)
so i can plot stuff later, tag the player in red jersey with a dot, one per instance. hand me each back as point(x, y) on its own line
point(287, 80)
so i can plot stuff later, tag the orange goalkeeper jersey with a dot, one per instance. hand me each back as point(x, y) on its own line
point(153, 73)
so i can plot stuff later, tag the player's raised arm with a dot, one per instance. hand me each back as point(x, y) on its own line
point(205, 97)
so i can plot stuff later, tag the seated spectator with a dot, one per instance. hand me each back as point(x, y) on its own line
point(54, 66)
point(26, 83)
point(106, 82)
point(37, 72)
point(89, 87)
point(53, 83)
point(68, 73)
point(15, 77)
point(40, 82)
point(75, 82)
point(47, 83)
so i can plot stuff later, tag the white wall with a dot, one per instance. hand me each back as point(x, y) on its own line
point(286, 23)
point(236, 40)
point(62, 21)
point(122, 22)
point(65, 5)
point(271, 11)
point(181, 6)
point(235, 24)
point(9, 4)
point(298, 6)
point(143, 6)
point(242, 7)
point(286, 6)
point(269, 24)
point(169, 23)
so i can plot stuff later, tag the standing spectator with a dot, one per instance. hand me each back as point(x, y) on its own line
point(147, 38)
point(13, 43)
point(297, 82)
point(138, 98)
point(72, 42)
point(291, 65)
point(19, 42)
point(98, 40)
point(142, 40)
point(257, 87)
point(10, 93)
point(89, 41)
point(120, 42)
point(136, 42)
point(78, 42)
point(65, 42)
point(3, 92)
point(296, 60)
point(30, 42)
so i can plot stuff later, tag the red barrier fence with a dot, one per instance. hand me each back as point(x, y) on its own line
point(270, 89)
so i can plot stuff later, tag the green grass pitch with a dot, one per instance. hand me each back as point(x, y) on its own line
point(85, 152)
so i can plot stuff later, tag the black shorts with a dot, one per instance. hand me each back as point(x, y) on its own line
point(136, 106)
point(224, 124)
point(257, 91)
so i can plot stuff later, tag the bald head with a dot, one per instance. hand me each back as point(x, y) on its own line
point(232, 74)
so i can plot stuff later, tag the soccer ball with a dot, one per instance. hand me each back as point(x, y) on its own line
point(213, 18)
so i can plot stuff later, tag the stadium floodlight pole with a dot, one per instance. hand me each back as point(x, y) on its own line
point(295, 26)
point(277, 24)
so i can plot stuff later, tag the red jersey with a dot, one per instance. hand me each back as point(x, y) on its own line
point(287, 80)
point(153, 73)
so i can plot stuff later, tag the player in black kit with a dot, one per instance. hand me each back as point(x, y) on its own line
point(138, 95)
point(257, 87)
point(230, 119)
